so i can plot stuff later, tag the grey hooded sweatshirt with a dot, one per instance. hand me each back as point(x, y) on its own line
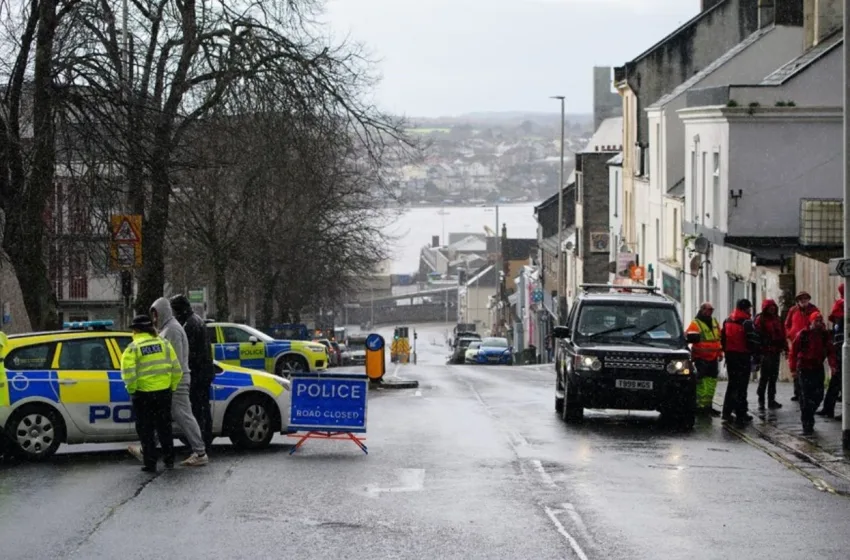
point(171, 330)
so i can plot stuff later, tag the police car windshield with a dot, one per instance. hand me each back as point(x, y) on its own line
point(625, 322)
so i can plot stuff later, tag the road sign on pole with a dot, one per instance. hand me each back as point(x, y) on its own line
point(126, 246)
point(839, 267)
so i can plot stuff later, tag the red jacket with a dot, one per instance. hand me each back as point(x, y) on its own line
point(771, 330)
point(837, 313)
point(798, 320)
point(810, 348)
point(737, 329)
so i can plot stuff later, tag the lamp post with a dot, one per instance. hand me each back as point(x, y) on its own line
point(560, 252)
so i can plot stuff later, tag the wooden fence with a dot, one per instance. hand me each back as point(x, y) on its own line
point(813, 276)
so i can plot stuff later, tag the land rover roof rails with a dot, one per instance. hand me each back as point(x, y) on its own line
point(620, 288)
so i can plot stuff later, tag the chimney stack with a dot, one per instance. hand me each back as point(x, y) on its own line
point(767, 13)
point(821, 19)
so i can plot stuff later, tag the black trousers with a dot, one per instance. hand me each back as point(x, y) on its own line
point(768, 376)
point(199, 395)
point(833, 391)
point(153, 420)
point(811, 394)
point(738, 370)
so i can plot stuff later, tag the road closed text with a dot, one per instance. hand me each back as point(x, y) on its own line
point(329, 414)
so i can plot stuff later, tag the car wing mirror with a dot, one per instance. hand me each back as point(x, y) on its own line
point(561, 332)
point(253, 339)
point(692, 338)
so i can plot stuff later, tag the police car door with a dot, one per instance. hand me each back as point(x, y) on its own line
point(90, 387)
point(240, 350)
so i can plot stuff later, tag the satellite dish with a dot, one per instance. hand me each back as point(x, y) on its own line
point(695, 265)
point(701, 245)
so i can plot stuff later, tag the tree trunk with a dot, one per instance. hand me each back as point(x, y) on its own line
point(267, 305)
point(25, 226)
point(155, 225)
point(222, 301)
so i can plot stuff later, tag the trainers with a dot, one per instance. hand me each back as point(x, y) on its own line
point(195, 460)
point(136, 451)
point(149, 469)
point(773, 405)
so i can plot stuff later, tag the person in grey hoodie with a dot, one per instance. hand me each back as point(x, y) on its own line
point(181, 408)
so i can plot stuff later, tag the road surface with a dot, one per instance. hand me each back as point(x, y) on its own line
point(473, 464)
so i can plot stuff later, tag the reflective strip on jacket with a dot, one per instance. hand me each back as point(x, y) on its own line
point(709, 347)
point(149, 363)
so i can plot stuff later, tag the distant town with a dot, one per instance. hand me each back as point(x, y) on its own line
point(482, 158)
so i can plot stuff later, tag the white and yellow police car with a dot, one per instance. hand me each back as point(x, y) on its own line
point(65, 387)
point(242, 345)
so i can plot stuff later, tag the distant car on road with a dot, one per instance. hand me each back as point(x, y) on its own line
point(624, 350)
point(459, 347)
point(495, 350)
point(472, 352)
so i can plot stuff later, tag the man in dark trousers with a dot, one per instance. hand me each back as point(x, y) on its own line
point(798, 320)
point(808, 352)
point(740, 343)
point(836, 317)
point(771, 331)
point(200, 364)
point(151, 372)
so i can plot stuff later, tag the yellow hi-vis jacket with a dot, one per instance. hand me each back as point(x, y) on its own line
point(150, 363)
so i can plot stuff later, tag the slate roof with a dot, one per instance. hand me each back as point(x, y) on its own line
point(796, 66)
point(616, 160)
point(607, 138)
point(717, 64)
point(677, 190)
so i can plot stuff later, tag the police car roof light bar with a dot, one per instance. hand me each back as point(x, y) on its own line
point(81, 325)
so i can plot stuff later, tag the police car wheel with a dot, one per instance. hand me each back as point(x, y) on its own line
point(288, 365)
point(35, 432)
point(252, 423)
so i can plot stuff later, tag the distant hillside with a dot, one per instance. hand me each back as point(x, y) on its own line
point(505, 118)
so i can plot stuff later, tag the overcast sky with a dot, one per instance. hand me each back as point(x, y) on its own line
point(447, 57)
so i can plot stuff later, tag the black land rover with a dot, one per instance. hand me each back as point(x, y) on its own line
point(624, 348)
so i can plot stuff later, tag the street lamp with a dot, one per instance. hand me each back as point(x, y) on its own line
point(561, 289)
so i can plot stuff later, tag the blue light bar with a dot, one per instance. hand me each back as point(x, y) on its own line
point(78, 325)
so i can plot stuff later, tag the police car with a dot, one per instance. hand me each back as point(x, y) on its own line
point(65, 387)
point(245, 346)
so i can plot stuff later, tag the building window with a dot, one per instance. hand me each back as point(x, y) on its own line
point(657, 238)
point(821, 222)
point(715, 191)
point(694, 189)
point(702, 205)
point(616, 193)
point(677, 233)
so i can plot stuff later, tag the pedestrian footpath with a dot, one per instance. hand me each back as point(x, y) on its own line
point(783, 428)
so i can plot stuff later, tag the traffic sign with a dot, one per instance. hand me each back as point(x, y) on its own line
point(126, 246)
point(839, 267)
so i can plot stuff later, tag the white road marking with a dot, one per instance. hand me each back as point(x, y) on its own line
point(418, 393)
point(579, 523)
point(411, 480)
point(395, 371)
point(538, 466)
point(516, 439)
point(564, 533)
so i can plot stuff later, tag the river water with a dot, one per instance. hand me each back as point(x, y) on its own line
point(413, 229)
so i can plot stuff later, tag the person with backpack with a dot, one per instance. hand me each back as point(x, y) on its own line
point(797, 321)
point(808, 352)
point(774, 343)
point(836, 317)
point(740, 343)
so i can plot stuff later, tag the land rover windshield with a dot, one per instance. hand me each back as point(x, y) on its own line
point(629, 322)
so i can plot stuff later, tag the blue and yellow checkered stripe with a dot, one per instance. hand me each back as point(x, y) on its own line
point(259, 356)
point(90, 386)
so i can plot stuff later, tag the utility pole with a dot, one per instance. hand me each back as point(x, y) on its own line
point(499, 267)
point(845, 348)
point(561, 289)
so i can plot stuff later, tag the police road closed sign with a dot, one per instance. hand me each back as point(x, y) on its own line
point(329, 401)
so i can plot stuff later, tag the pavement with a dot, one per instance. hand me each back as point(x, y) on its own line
point(474, 463)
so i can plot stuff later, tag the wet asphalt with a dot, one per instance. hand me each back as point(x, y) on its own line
point(473, 464)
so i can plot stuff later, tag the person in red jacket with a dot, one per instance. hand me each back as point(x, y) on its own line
point(808, 352)
point(740, 343)
point(773, 343)
point(836, 317)
point(798, 320)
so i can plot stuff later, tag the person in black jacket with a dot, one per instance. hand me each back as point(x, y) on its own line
point(200, 363)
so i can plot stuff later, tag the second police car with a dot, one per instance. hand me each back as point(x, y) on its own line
point(65, 387)
point(241, 345)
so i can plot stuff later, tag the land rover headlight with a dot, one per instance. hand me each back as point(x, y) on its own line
point(681, 367)
point(588, 363)
point(319, 348)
